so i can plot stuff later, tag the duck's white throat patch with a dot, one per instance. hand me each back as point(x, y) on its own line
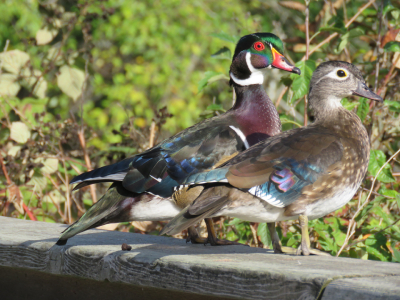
point(256, 75)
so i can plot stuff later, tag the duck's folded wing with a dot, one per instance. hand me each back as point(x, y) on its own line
point(193, 150)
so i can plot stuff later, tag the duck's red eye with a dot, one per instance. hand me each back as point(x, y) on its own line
point(259, 46)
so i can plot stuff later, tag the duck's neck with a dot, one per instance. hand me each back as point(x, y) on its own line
point(255, 113)
point(345, 124)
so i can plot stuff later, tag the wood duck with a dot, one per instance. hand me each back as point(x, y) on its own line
point(143, 184)
point(303, 173)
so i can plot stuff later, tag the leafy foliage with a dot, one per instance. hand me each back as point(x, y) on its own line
point(88, 83)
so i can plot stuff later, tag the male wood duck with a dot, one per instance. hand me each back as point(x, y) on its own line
point(143, 184)
point(303, 173)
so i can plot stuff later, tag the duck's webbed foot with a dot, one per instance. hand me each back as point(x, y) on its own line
point(194, 238)
point(304, 248)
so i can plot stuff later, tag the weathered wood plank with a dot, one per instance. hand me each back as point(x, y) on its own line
point(171, 264)
point(372, 288)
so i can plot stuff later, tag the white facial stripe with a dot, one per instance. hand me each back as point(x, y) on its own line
point(256, 76)
point(333, 74)
point(241, 135)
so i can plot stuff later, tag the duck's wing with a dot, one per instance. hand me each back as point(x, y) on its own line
point(277, 171)
point(193, 150)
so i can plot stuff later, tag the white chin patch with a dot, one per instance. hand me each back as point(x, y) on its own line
point(256, 76)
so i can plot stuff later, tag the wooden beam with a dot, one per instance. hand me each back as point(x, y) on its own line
point(172, 266)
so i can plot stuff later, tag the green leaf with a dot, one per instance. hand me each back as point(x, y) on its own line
point(210, 77)
point(224, 53)
point(363, 109)
point(392, 46)
point(375, 252)
point(19, 132)
point(395, 14)
point(301, 82)
point(263, 233)
point(288, 121)
point(225, 37)
point(70, 81)
point(396, 253)
point(356, 32)
point(376, 161)
point(235, 221)
point(215, 107)
point(349, 105)
point(387, 7)
point(393, 105)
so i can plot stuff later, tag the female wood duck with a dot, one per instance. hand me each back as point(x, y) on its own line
point(143, 184)
point(303, 173)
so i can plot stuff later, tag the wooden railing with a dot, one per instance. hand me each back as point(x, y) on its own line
point(93, 266)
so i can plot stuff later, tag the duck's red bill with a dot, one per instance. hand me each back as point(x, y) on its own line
point(280, 62)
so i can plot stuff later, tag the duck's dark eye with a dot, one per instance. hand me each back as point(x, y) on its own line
point(259, 46)
point(341, 73)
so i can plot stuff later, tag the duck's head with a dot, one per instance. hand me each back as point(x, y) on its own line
point(253, 54)
point(334, 80)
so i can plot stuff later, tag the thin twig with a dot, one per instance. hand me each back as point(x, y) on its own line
point(152, 134)
point(388, 77)
point(378, 44)
point(254, 232)
point(307, 50)
point(336, 34)
point(82, 141)
point(283, 92)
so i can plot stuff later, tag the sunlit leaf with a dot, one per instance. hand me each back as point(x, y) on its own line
point(9, 85)
point(45, 35)
point(13, 151)
point(19, 132)
point(39, 181)
point(13, 61)
point(33, 81)
point(50, 165)
point(70, 81)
